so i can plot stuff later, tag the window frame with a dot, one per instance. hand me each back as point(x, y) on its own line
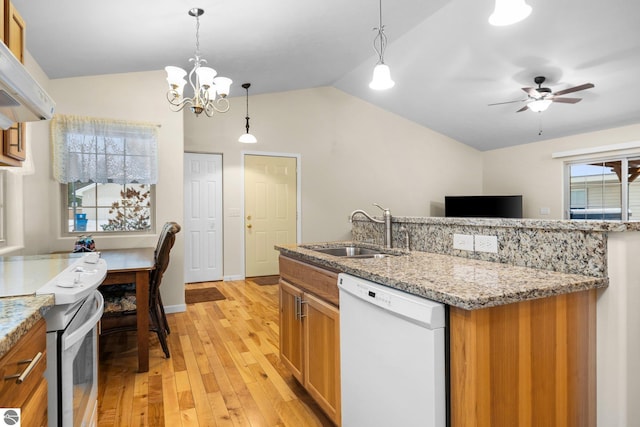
point(624, 184)
point(64, 216)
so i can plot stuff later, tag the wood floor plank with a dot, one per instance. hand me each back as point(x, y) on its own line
point(224, 369)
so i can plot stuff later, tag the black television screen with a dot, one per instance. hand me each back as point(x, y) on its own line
point(483, 206)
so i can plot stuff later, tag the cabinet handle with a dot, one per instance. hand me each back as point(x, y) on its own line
point(19, 138)
point(32, 364)
point(302, 302)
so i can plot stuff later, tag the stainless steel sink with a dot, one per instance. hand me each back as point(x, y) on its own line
point(351, 252)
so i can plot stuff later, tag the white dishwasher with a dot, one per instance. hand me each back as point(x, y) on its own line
point(392, 350)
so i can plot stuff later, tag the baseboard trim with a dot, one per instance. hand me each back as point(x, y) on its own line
point(178, 308)
point(232, 278)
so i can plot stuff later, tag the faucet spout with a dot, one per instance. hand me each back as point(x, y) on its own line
point(386, 221)
point(360, 211)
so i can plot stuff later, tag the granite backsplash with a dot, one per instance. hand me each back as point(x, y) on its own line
point(576, 247)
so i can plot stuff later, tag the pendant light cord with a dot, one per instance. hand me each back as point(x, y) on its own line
point(247, 116)
point(381, 37)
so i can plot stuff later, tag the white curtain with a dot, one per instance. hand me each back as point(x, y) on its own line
point(87, 149)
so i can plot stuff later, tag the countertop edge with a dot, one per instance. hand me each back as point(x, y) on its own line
point(19, 315)
point(425, 286)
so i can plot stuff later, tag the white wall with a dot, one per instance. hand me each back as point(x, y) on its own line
point(529, 169)
point(132, 96)
point(352, 155)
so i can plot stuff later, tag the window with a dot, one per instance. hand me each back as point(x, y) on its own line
point(3, 237)
point(604, 189)
point(107, 170)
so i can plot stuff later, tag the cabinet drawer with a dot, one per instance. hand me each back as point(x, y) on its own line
point(16, 361)
point(318, 281)
point(34, 411)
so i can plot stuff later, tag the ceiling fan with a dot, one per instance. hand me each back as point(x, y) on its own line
point(538, 99)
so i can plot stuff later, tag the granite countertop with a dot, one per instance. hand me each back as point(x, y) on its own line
point(18, 315)
point(460, 282)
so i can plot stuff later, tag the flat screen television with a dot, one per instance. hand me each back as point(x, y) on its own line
point(483, 206)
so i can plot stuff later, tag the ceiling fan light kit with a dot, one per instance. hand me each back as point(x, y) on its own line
point(381, 73)
point(509, 12)
point(209, 92)
point(539, 106)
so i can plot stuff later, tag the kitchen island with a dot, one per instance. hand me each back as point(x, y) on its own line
point(521, 339)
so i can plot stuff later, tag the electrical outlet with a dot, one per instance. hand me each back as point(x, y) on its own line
point(463, 242)
point(545, 211)
point(486, 244)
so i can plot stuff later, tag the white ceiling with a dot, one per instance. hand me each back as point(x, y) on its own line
point(447, 61)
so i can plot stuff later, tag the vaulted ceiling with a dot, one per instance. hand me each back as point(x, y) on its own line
point(447, 61)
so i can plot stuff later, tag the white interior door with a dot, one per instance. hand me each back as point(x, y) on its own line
point(203, 217)
point(270, 209)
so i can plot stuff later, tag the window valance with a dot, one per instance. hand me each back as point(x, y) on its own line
point(87, 149)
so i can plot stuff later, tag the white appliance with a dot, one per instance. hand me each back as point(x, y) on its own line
point(72, 342)
point(392, 347)
point(21, 97)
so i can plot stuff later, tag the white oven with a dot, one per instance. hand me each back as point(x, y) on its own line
point(72, 366)
point(72, 343)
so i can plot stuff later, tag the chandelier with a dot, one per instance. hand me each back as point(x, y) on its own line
point(209, 92)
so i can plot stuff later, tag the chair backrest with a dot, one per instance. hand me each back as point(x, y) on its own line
point(161, 256)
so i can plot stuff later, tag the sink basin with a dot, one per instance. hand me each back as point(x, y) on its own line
point(351, 252)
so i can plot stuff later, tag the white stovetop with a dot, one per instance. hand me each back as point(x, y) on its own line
point(28, 275)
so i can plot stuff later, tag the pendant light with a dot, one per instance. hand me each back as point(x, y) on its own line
point(381, 73)
point(247, 138)
point(509, 12)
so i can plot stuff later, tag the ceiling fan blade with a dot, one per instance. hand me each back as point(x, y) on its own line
point(574, 89)
point(532, 92)
point(507, 102)
point(566, 100)
point(525, 108)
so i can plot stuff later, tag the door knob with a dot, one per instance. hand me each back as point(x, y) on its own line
point(249, 217)
point(249, 226)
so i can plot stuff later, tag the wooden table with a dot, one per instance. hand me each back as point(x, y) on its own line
point(133, 266)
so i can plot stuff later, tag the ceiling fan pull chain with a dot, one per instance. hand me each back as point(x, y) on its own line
point(539, 123)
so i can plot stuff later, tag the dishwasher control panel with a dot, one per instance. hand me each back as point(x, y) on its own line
point(429, 313)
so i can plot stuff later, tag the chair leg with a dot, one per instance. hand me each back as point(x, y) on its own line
point(162, 335)
point(164, 316)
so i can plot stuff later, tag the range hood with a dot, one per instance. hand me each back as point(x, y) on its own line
point(21, 97)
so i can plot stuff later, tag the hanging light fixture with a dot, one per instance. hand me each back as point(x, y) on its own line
point(509, 12)
point(247, 138)
point(381, 73)
point(209, 92)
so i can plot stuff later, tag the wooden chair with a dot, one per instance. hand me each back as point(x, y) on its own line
point(120, 300)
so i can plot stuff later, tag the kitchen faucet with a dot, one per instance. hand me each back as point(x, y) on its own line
point(386, 221)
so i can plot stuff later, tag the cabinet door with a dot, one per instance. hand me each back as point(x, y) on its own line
point(291, 344)
point(322, 351)
point(14, 137)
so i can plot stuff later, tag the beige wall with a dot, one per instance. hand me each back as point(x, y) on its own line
point(352, 155)
point(529, 169)
point(133, 96)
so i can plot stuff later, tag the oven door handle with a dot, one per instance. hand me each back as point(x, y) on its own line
point(88, 325)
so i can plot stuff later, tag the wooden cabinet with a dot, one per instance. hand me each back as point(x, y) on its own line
point(531, 363)
point(22, 371)
point(13, 139)
point(310, 331)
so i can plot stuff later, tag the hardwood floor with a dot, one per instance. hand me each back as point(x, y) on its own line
point(224, 369)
